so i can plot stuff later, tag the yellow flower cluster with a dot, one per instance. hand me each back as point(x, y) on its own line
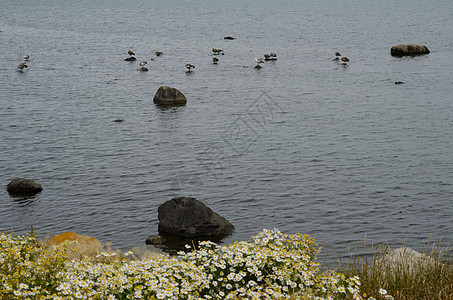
point(26, 270)
point(271, 266)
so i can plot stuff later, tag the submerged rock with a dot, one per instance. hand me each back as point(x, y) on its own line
point(22, 186)
point(169, 96)
point(188, 217)
point(411, 49)
point(155, 240)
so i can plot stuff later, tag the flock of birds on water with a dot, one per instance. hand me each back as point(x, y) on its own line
point(23, 65)
point(344, 59)
point(189, 67)
point(215, 59)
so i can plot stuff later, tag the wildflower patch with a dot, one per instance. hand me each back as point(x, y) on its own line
point(271, 265)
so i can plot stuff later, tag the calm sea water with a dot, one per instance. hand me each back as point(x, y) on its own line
point(303, 145)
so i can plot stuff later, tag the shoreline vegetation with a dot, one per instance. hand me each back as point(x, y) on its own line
point(271, 265)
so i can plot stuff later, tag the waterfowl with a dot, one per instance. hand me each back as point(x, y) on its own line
point(142, 66)
point(26, 57)
point(22, 66)
point(215, 60)
point(217, 51)
point(258, 61)
point(345, 60)
point(131, 57)
point(189, 67)
point(271, 56)
point(158, 53)
point(337, 56)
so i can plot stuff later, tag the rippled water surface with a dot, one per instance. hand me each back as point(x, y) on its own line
point(304, 144)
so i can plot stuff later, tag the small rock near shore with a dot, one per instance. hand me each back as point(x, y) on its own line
point(146, 252)
point(86, 245)
point(405, 258)
point(155, 240)
point(22, 186)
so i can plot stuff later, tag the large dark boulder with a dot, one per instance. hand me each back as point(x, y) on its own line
point(187, 217)
point(169, 96)
point(411, 49)
point(23, 187)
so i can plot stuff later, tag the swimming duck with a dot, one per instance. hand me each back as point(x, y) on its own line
point(189, 67)
point(22, 66)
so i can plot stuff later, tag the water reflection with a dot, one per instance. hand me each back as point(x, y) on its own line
point(173, 244)
point(23, 200)
point(186, 184)
point(171, 108)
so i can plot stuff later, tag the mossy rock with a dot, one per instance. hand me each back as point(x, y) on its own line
point(86, 245)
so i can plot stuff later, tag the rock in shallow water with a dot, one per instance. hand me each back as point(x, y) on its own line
point(169, 96)
point(411, 49)
point(188, 217)
point(22, 186)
